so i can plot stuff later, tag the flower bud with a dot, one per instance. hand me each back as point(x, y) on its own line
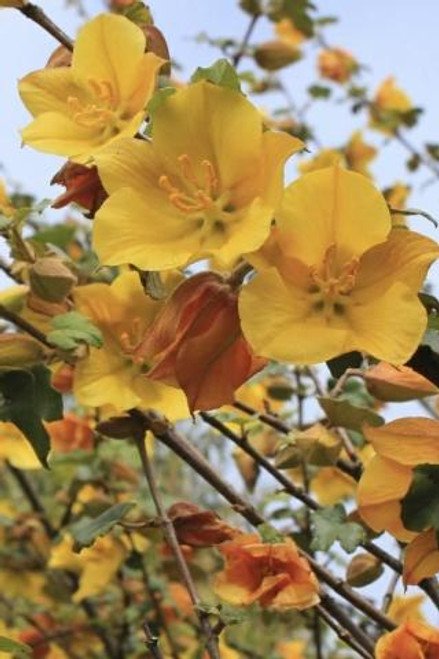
point(83, 187)
point(275, 55)
point(337, 64)
point(363, 570)
point(51, 280)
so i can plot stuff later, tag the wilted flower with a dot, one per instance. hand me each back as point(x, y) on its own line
point(83, 187)
point(337, 64)
point(197, 527)
point(274, 575)
point(196, 343)
point(412, 640)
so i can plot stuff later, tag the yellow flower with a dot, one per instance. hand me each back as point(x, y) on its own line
point(324, 158)
point(400, 446)
point(207, 184)
point(289, 33)
point(96, 565)
point(100, 98)
point(359, 154)
point(6, 207)
point(111, 375)
point(405, 608)
point(421, 558)
point(388, 104)
point(339, 279)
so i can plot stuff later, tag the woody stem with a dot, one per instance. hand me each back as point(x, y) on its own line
point(171, 537)
point(37, 15)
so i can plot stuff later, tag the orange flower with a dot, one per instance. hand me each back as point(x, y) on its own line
point(199, 528)
point(274, 575)
point(70, 434)
point(196, 343)
point(412, 640)
point(83, 187)
point(336, 64)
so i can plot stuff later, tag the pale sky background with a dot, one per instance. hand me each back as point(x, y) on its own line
point(392, 37)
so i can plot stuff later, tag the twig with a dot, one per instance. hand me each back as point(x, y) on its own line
point(23, 324)
point(171, 537)
point(34, 502)
point(388, 596)
point(402, 139)
point(353, 470)
point(342, 633)
point(155, 601)
point(339, 386)
point(239, 273)
point(236, 59)
point(37, 15)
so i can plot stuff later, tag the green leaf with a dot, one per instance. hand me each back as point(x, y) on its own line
point(341, 412)
point(319, 91)
point(296, 10)
point(420, 506)
point(269, 534)
point(59, 235)
point(86, 531)
point(27, 399)
point(14, 647)
point(221, 73)
point(330, 524)
point(71, 329)
point(154, 105)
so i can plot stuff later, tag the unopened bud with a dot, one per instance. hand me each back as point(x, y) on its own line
point(18, 351)
point(51, 280)
point(274, 55)
point(363, 570)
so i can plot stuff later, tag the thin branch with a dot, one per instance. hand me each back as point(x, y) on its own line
point(388, 596)
point(37, 15)
point(26, 487)
point(23, 324)
point(154, 598)
point(171, 537)
point(236, 59)
point(342, 633)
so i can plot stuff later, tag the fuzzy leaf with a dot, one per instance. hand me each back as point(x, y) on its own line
point(330, 524)
point(343, 413)
point(220, 73)
point(71, 329)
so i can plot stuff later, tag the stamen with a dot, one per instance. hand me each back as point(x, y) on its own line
point(210, 177)
point(166, 185)
point(187, 168)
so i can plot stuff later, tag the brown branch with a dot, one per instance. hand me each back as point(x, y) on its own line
point(26, 487)
point(353, 470)
point(23, 324)
point(171, 537)
point(37, 15)
point(166, 434)
point(342, 633)
point(154, 598)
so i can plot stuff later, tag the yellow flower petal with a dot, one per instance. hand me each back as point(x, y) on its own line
point(129, 229)
point(421, 558)
point(408, 441)
point(332, 206)
point(53, 132)
point(15, 448)
point(48, 90)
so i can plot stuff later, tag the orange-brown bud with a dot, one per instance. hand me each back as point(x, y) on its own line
point(196, 343)
point(83, 187)
point(197, 527)
point(62, 378)
point(337, 64)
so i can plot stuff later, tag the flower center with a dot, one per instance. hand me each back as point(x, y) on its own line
point(331, 285)
point(197, 194)
point(130, 340)
point(97, 108)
